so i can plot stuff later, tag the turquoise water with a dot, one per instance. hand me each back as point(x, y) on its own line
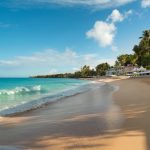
point(21, 94)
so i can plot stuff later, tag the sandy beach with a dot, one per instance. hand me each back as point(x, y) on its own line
point(100, 119)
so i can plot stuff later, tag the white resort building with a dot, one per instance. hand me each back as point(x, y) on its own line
point(128, 71)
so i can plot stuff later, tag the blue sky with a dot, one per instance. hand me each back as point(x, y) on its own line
point(53, 36)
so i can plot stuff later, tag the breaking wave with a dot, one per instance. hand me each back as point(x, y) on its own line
point(24, 106)
point(20, 90)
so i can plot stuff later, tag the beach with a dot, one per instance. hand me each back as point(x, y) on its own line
point(112, 117)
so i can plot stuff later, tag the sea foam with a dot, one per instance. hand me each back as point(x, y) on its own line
point(49, 98)
point(18, 90)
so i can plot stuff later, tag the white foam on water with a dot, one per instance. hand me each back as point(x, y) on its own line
point(25, 106)
point(18, 90)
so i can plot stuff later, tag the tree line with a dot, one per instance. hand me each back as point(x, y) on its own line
point(140, 57)
point(141, 53)
point(84, 72)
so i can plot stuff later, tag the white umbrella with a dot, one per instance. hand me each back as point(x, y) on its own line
point(142, 68)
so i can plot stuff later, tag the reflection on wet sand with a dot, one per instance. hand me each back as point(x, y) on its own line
point(89, 120)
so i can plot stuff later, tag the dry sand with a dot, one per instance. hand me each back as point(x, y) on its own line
point(86, 121)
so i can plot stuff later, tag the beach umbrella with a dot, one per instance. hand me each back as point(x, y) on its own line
point(142, 68)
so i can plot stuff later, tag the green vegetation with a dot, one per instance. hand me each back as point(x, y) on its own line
point(140, 57)
point(102, 68)
point(125, 60)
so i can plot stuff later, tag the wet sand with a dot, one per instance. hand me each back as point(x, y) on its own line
point(89, 120)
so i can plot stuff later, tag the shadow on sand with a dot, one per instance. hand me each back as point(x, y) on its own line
point(45, 134)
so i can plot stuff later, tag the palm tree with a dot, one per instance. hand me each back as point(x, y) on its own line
point(145, 41)
point(143, 49)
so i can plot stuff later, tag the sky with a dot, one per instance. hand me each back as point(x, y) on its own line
point(57, 36)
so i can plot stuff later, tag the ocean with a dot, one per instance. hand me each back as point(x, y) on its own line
point(22, 94)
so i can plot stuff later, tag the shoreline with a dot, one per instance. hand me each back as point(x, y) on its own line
point(16, 112)
point(47, 100)
point(79, 121)
point(96, 81)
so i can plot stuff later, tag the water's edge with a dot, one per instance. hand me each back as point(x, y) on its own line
point(38, 103)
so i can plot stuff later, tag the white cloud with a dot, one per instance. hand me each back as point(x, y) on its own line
point(127, 13)
point(49, 62)
point(115, 16)
point(100, 3)
point(89, 3)
point(145, 3)
point(104, 31)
